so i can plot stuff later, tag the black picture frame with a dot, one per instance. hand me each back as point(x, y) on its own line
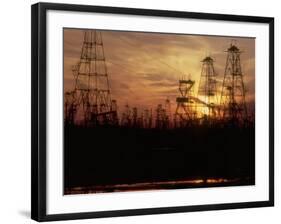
point(38, 108)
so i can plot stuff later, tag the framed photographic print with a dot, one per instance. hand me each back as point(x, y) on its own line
point(138, 111)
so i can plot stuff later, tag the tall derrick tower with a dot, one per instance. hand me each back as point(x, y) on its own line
point(185, 111)
point(93, 97)
point(208, 87)
point(234, 109)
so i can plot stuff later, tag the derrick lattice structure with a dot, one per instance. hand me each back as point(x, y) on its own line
point(234, 109)
point(91, 95)
point(208, 88)
point(185, 114)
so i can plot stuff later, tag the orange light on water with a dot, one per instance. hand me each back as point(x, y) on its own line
point(219, 180)
point(199, 181)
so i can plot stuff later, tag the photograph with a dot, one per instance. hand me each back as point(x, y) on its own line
point(146, 111)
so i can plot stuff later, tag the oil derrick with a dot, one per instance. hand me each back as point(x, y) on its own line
point(208, 88)
point(126, 119)
point(185, 112)
point(92, 84)
point(234, 109)
point(147, 118)
point(69, 108)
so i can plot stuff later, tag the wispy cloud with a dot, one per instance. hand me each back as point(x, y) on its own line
point(144, 68)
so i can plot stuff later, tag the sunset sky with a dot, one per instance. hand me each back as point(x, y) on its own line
point(144, 68)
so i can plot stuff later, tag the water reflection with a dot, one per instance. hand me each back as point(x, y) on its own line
point(178, 184)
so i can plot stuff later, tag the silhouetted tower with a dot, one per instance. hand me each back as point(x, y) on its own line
point(233, 103)
point(185, 111)
point(92, 85)
point(208, 87)
point(147, 118)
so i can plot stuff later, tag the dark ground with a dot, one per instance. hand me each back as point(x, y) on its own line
point(109, 159)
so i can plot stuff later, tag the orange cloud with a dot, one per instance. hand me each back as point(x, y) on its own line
point(144, 68)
